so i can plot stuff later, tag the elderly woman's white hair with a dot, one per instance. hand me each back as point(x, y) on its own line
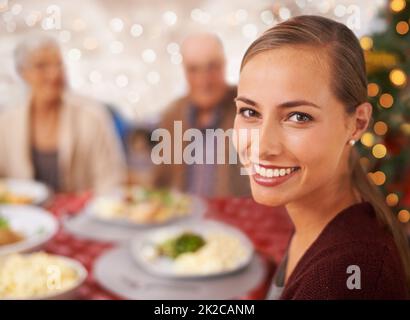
point(29, 45)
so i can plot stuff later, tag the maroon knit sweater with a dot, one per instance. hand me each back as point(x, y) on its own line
point(353, 237)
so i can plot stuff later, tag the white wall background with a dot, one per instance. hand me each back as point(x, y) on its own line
point(126, 52)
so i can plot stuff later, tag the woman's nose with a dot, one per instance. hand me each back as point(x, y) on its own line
point(270, 142)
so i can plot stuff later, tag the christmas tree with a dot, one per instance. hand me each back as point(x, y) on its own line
point(385, 148)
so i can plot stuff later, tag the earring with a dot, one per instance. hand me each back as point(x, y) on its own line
point(352, 142)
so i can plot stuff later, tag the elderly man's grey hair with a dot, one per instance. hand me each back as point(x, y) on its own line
point(30, 44)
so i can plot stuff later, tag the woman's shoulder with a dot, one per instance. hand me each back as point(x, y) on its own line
point(86, 109)
point(357, 271)
point(353, 258)
point(8, 113)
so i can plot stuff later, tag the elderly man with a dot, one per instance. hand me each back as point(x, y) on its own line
point(209, 104)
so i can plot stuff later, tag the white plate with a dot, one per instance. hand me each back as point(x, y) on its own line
point(27, 188)
point(197, 209)
point(69, 293)
point(163, 266)
point(35, 224)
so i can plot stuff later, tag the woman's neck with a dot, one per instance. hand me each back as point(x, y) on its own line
point(311, 214)
point(44, 109)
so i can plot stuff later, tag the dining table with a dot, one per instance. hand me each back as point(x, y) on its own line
point(268, 228)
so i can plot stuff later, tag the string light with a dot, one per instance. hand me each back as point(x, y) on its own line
point(405, 127)
point(170, 18)
point(116, 47)
point(121, 81)
point(366, 43)
point(367, 139)
point(173, 48)
point(378, 178)
point(379, 151)
point(74, 54)
point(284, 13)
point(149, 56)
point(372, 89)
point(398, 77)
point(380, 128)
point(402, 27)
point(136, 30)
point(392, 199)
point(404, 216)
point(397, 5)
point(267, 17)
point(116, 24)
point(386, 100)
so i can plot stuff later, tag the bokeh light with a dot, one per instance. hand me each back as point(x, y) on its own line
point(378, 178)
point(366, 43)
point(397, 5)
point(404, 216)
point(380, 128)
point(392, 199)
point(367, 139)
point(379, 151)
point(373, 89)
point(402, 27)
point(386, 100)
point(398, 77)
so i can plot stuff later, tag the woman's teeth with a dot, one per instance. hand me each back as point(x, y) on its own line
point(270, 173)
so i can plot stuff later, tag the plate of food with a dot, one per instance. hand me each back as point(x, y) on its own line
point(39, 276)
point(24, 228)
point(138, 206)
point(194, 250)
point(21, 191)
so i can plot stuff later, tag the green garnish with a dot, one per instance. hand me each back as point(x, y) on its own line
point(3, 223)
point(186, 242)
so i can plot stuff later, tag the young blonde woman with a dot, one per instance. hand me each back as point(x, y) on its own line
point(303, 87)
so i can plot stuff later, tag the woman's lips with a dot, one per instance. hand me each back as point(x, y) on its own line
point(263, 177)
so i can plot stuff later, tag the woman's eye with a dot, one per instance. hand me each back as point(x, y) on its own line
point(248, 113)
point(300, 117)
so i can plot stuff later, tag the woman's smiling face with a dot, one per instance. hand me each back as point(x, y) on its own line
point(303, 129)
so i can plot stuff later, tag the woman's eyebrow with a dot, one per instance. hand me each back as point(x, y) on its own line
point(284, 105)
point(297, 103)
point(246, 100)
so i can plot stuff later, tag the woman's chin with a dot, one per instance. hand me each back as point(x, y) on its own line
point(268, 200)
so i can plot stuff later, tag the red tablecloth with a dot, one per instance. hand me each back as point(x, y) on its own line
point(268, 228)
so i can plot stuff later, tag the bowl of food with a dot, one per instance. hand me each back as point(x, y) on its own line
point(39, 276)
point(195, 250)
point(21, 191)
point(138, 206)
point(25, 228)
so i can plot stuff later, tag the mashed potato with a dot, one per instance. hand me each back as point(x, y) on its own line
point(221, 253)
point(34, 275)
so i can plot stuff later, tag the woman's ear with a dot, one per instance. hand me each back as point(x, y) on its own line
point(362, 118)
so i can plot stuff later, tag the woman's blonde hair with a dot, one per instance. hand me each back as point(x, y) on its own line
point(349, 85)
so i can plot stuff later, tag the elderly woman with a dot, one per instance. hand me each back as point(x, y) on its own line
point(65, 141)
